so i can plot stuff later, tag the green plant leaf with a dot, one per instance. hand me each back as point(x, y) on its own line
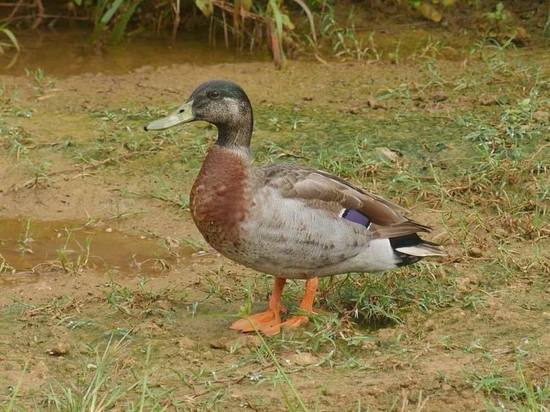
point(310, 18)
point(111, 11)
point(246, 4)
point(122, 23)
point(277, 14)
point(9, 34)
point(206, 6)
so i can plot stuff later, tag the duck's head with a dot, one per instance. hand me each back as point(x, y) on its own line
point(220, 102)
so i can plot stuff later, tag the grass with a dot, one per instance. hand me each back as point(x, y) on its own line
point(279, 27)
point(71, 263)
point(477, 172)
point(517, 392)
point(103, 391)
point(13, 397)
point(296, 403)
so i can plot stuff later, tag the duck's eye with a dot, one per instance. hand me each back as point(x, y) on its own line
point(213, 94)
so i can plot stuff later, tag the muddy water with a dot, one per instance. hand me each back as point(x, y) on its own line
point(41, 50)
point(31, 245)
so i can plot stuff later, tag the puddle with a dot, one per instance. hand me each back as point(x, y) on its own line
point(31, 245)
point(40, 50)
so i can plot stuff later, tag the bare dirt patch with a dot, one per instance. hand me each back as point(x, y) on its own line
point(458, 334)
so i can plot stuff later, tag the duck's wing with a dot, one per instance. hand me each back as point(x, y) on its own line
point(318, 189)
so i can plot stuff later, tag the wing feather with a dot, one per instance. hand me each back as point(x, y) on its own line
point(324, 190)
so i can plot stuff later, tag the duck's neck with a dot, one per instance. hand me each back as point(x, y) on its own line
point(236, 132)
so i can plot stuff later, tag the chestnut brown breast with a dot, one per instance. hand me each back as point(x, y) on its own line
point(220, 197)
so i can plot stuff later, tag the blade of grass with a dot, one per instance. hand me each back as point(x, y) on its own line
point(13, 396)
point(282, 373)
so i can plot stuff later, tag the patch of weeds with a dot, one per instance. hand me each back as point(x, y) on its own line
point(96, 151)
point(215, 285)
point(101, 392)
point(447, 344)
point(192, 243)
point(474, 346)
point(39, 170)
point(16, 308)
point(402, 91)
point(517, 393)
point(5, 267)
point(16, 140)
point(434, 74)
point(163, 190)
point(368, 302)
point(120, 297)
point(12, 402)
point(70, 260)
point(141, 299)
point(431, 49)
point(40, 80)
point(25, 239)
point(345, 41)
point(513, 129)
point(110, 385)
point(74, 323)
point(487, 383)
point(473, 301)
point(294, 402)
point(378, 301)
point(246, 308)
point(410, 180)
point(328, 329)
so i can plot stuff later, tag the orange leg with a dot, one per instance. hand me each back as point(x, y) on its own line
point(267, 322)
point(306, 305)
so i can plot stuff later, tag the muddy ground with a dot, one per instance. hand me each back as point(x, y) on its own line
point(112, 300)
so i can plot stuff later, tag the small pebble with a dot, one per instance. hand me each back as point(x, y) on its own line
point(488, 100)
point(475, 252)
point(221, 343)
point(386, 333)
point(303, 359)
point(186, 343)
point(429, 325)
point(250, 341)
point(375, 104)
point(59, 349)
point(437, 98)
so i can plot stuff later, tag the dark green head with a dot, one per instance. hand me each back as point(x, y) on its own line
point(220, 102)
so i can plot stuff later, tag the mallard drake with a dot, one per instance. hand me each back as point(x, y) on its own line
point(290, 221)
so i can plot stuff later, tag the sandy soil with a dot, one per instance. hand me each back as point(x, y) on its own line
point(171, 314)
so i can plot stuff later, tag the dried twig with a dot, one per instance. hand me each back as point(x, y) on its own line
point(40, 15)
point(175, 25)
point(14, 11)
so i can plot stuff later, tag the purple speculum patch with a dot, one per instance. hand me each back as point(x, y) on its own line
point(355, 216)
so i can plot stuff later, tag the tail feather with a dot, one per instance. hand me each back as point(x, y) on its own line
point(401, 230)
point(422, 250)
point(411, 248)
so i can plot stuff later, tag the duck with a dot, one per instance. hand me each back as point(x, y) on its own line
point(286, 220)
